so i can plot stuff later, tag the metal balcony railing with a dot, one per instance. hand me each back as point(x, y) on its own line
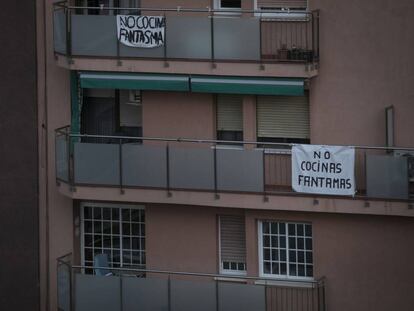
point(215, 166)
point(192, 34)
point(149, 289)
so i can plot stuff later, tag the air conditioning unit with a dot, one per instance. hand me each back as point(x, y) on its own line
point(134, 97)
point(410, 161)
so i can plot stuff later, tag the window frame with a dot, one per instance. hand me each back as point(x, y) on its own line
point(217, 6)
point(299, 14)
point(260, 253)
point(111, 206)
point(221, 268)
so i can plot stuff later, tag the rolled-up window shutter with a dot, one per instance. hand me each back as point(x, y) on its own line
point(229, 113)
point(283, 117)
point(232, 239)
point(285, 4)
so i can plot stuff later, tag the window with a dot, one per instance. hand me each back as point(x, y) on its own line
point(283, 119)
point(287, 8)
point(229, 117)
point(285, 249)
point(118, 232)
point(232, 244)
point(232, 5)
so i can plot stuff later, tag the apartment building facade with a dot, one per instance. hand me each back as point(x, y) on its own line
point(168, 175)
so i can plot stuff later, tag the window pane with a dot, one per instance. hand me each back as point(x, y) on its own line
point(292, 243)
point(135, 215)
point(300, 229)
point(126, 228)
point(135, 243)
point(308, 244)
point(309, 257)
point(115, 241)
point(301, 270)
point(97, 227)
point(88, 240)
point(301, 243)
point(274, 228)
point(309, 271)
point(231, 4)
point(136, 229)
point(126, 215)
point(126, 243)
point(265, 227)
point(274, 241)
point(142, 229)
point(88, 254)
point(115, 227)
point(292, 256)
point(282, 228)
point(88, 212)
point(266, 267)
point(107, 241)
point(282, 255)
point(282, 242)
point(308, 230)
point(292, 269)
point(97, 213)
point(275, 268)
point(106, 214)
point(283, 268)
point(292, 229)
point(88, 226)
point(97, 241)
point(275, 255)
point(126, 257)
point(266, 254)
point(266, 241)
point(301, 257)
point(115, 214)
point(106, 227)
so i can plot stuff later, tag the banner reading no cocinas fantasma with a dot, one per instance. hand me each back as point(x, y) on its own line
point(323, 169)
point(141, 31)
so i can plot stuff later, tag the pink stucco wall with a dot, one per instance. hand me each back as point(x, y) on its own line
point(366, 259)
point(178, 114)
point(366, 65)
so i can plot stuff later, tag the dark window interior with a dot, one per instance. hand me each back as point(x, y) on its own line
point(231, 4)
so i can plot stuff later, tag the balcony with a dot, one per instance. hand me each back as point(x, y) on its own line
point(286, 46)
point(216, 169)
point(131, 289)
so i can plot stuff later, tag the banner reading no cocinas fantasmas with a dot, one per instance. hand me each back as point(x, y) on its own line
point(323, 169)
point(141, 31)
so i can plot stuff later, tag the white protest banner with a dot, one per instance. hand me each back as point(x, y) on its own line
point(323, 169)
point(141, 31)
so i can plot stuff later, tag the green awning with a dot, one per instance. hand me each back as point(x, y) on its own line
point(247, 85)
point(126, 81)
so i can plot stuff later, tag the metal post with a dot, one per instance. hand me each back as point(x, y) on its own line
point(71, 288)
point(265, 197)
point(169, 194)
point(261, 67)
point(121, 185)
point(166, 64)
point(121, 293)
point(69, 35)
point(317, 31)
point(216, 195)
point(213, 64)
point(169, 292)
point(313, 35)
point(118, 51)
point(217, 296)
